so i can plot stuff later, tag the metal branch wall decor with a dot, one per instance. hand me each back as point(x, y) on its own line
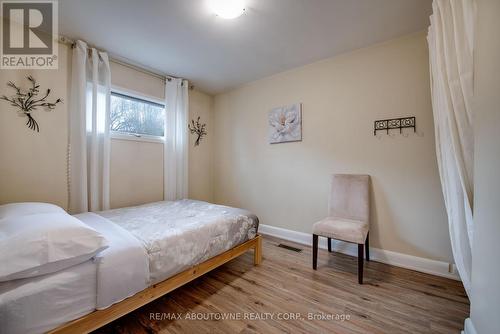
point(394, 123)
point(27, 101)
point(198, 129)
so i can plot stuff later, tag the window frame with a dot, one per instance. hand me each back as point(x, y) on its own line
point(131, 136)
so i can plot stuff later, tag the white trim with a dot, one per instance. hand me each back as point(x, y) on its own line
point(130, 136)
point(469, 327)
point(137, 95)
point(421, 264)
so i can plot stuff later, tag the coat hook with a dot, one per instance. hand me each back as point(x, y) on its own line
point(394, 123)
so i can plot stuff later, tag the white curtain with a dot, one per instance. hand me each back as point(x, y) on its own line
point(451, 42)
point(89, 142)
point(176, 136)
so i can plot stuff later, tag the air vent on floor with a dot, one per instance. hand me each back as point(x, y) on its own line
point(298, 250)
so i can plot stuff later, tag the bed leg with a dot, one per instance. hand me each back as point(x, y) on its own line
point(257, 254)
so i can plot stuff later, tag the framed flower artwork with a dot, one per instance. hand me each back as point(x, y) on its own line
point(285, 124)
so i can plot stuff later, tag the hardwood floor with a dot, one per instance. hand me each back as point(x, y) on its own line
point(265, 297)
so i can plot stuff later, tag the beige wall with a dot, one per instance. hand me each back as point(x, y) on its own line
point(33, 165)
point(287, 185)
point(485, 298)
point(136, 172)
point(136, 81)
point(200, 157)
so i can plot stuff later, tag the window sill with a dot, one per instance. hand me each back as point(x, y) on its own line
point(141, 138)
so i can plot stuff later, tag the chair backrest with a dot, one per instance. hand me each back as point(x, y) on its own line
point(350, 197)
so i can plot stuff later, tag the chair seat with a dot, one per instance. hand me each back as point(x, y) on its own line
point(342, 229)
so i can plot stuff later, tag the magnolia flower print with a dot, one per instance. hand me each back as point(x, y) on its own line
point(285, 124)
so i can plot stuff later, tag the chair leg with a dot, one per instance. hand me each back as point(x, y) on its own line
point(329, 245)
point(367, 247)
point(360, 263)
point(315, 251)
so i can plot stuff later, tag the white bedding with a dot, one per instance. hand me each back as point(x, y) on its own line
point(122, 269)
point(180, 234)
point(38, 304)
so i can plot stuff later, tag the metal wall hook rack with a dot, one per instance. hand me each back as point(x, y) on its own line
point(394, 123)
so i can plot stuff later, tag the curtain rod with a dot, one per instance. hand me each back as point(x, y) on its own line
point(164, 77)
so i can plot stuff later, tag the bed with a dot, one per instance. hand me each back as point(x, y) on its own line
point(153, 249)
point(39, 304)
point(180, 234)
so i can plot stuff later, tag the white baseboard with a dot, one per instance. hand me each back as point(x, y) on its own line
point(424, 265)
point(469, 327)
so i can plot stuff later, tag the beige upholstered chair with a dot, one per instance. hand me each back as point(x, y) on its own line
point(349, 214)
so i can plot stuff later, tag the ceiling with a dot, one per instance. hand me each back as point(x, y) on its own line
point(183, 38)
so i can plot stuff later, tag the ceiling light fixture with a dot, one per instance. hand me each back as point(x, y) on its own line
point(227, 9)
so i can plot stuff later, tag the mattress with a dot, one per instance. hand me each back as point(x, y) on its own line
point(180, 234)
point(39, 304)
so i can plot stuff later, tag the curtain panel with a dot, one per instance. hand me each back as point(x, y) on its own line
point(89, 137)
point(176, 135)
point(451, 45)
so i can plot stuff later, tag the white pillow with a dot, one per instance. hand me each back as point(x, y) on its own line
point(43, 243)
point(27, 208)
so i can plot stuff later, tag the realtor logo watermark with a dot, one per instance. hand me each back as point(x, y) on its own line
point(29, 32)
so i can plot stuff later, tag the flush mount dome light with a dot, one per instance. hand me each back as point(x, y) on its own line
point(227, 9)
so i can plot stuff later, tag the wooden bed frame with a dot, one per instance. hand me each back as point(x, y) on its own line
point(99, 318)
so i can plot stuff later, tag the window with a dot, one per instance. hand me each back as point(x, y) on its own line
point(136, 116)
